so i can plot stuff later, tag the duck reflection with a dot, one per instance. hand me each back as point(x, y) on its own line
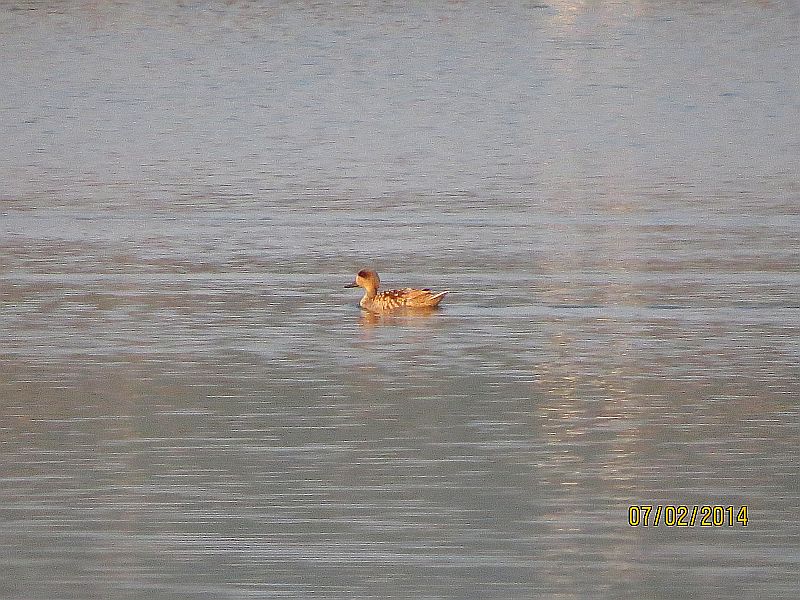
point(409, 316)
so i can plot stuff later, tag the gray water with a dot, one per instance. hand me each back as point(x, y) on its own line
point(192, 406)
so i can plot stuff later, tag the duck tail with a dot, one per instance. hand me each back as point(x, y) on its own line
point(436, 298)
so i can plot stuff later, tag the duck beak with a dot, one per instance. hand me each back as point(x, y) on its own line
point(349, 285)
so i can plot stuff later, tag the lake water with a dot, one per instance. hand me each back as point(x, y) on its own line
point(192, 406)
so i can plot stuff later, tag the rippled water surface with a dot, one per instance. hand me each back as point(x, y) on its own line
point(192, 406)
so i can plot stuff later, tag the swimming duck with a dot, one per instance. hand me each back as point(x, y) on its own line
point(392, 300)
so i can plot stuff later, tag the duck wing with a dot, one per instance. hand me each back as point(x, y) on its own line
point(415, 297)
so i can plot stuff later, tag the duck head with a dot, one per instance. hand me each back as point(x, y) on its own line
point(368, 280)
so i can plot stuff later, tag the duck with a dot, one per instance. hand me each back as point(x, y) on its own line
point(389, 301)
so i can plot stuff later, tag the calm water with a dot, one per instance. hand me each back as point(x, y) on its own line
point(191, 405)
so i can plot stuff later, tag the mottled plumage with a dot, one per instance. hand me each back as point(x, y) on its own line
point(393, 300)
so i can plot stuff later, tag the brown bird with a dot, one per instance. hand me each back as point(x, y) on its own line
point(407, 299)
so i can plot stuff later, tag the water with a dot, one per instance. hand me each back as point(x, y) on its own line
point(191, 405)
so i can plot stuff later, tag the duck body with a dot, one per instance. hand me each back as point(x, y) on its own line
point(393, 301)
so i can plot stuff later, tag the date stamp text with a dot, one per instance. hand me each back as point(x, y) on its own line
point(683, 515)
